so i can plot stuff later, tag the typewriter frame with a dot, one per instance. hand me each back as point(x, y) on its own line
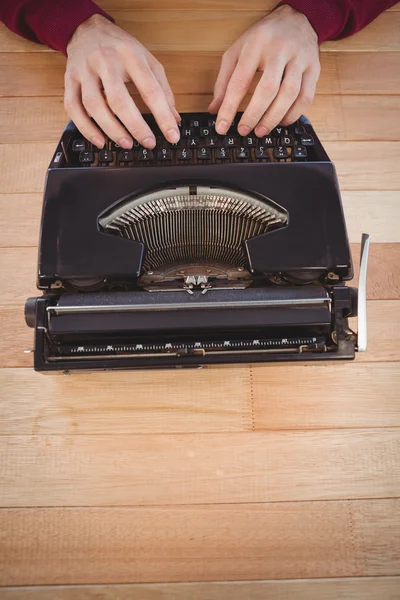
point(57, 266)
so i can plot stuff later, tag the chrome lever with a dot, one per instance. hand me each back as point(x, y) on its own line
point(362, 295)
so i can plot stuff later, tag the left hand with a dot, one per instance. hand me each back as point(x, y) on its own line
point(284, 46)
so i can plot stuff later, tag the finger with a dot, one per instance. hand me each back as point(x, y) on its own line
point(162, 79)
point(305, 97)
point(154, 97)
point(73, 106)
point(288, 92)
point(96, 106)
point(264, 94)
point(236, 91)
point(228, 64)
point(121, 103)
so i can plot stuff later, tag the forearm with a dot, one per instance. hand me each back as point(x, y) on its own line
point(49, 22)
point(335, 19)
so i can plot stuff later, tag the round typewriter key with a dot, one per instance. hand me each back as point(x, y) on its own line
point(184, 154)
point(164, 154)
point(222, 154)
point(86, 157)
point(125, 156)
point(300, 152)
point(203, 154)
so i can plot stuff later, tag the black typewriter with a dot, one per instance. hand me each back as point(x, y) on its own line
point(217, 249)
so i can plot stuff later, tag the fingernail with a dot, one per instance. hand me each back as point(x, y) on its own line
point(149, 142)
point(172, 135)
point(97, 141)
point(222, 127)
point(244, 129)
point(261, 131)
point(125, 143)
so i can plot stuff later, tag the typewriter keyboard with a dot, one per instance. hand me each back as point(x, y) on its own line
point(199, 144)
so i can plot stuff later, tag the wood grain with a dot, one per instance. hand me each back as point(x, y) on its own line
point(123, 403)
point(366, 166)
point(347, 118)
point(213, 543)
point(383, 270)
point(202, 30)
point(321, 400)
point(17, 231)
point(210, 5)
point(375, 212)
point(357, 588)
point(42, 73)
point(236, 400)
point(215, 468)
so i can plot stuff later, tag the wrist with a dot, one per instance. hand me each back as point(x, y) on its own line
point(94, 22)
point(287, 11)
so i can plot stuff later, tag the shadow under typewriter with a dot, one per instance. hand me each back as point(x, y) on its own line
point(155, 267)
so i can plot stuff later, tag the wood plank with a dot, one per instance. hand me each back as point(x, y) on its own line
point(214, 468)
point(24, 166)
point(366, 166)
point(42, 73)
point(41, 405)
point(210, 5)
point(213, 543)
point(295, 399)
point(194, 30)
point(356, 588)
point(383, 273)
point(350, 118)
point(216, 31)
point(383, 345)
point(20, 219)
point(18, 267)
point(376, 212)
point(383, 277)
point(162, 402)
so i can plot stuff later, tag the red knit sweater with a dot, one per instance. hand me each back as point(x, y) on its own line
point(52, 22)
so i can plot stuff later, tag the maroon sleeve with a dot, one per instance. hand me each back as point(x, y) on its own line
point(49, 22)
point(335, 19)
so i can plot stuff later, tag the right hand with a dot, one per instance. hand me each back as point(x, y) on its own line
point(101, 55)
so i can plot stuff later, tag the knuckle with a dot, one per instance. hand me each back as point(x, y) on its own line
point(226, 57)
point(291, 88)
point(159, 69)
point(149, 91)
point(68, 103)
point(71, 74)
point(90, 101)
point(269, 88)
point(239, 83)
point(306, 97)
point(116, 100)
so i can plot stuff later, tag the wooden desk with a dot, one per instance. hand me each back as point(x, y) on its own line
point(270, 482)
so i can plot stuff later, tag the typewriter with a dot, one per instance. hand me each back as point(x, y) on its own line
point(217, 249)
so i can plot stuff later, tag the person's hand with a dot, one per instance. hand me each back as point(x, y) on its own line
point(103, 56)
point(284, 47)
